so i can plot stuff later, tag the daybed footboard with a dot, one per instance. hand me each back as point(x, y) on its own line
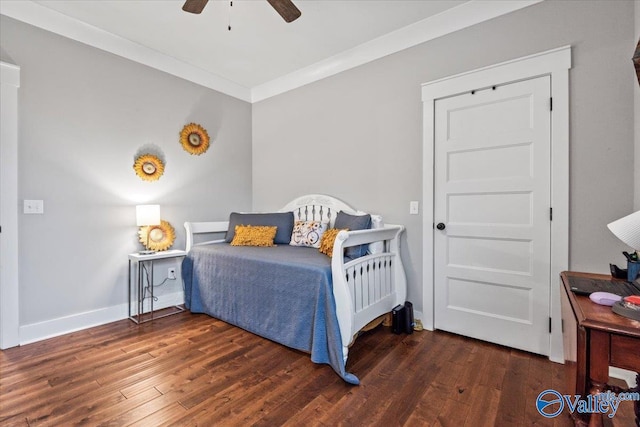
point(369, 286)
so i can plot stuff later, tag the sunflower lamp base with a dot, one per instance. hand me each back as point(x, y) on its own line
point(157, 237)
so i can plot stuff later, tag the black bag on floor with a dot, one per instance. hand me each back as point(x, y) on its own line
point(402, 318)
point(397, 319)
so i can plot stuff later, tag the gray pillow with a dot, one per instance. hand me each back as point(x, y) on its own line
point(282, 220)
point(353, 222)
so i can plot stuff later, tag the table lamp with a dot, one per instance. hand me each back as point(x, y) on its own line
point(627, 229)
point(147, 215)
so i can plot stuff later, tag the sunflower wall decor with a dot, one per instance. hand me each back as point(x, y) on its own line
point(161, 237)
point(149, 167)
point(194, 139)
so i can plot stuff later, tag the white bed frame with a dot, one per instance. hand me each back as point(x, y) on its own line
point(364, 288)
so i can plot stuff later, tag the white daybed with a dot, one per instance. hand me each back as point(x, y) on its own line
point(364, 288)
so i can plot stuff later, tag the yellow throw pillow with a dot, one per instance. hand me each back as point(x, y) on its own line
point(328, 239)
point(254, 235)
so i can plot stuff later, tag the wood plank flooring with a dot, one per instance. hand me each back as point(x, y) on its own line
point(188, 370)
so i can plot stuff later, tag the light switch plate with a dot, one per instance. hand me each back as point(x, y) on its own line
point(414, 207)
point(33, 206)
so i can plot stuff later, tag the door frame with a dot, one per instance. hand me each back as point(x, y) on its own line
point(9, 290)
point(555, 63)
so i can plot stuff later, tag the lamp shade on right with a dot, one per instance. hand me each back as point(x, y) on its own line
point(627, 229)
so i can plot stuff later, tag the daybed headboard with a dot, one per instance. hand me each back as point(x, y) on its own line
point(311, 207)
point(317, 207)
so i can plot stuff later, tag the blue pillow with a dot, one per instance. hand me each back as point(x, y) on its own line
point(282, 220)
point(353, 222)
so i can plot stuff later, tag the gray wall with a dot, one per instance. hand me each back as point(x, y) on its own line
point(84, 114)
point(358, 135)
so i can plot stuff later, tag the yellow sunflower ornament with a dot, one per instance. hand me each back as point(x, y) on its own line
point(159, 237)
point(148, 167)
point(194, 139)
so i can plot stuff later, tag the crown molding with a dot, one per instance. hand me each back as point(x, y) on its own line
point(58, 23)
point(465, 15)
point(449, 21)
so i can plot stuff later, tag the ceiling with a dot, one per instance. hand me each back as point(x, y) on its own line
point(261, 55)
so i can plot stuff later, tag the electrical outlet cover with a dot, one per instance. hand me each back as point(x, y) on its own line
point(33, 206)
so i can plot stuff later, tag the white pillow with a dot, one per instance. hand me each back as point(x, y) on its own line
point(376, 247)
point(308, 233)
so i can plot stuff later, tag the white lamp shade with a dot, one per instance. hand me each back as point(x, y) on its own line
point(147, 215)
point(627, 229)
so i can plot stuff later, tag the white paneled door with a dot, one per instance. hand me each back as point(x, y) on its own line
point(492, 214)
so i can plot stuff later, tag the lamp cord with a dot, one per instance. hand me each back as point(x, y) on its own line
point(147, 288)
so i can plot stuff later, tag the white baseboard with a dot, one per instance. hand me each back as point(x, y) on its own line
point(623, 374)
point(556, 359)
point(76, 322)
point(169, 300)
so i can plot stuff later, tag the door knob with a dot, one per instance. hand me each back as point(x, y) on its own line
point(441, 226)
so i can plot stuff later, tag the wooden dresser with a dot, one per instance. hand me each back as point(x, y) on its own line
point(594, 339)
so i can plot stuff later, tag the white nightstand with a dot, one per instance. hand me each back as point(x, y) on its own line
point(142, 264)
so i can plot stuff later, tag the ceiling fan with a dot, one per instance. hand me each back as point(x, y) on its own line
point(285, 8)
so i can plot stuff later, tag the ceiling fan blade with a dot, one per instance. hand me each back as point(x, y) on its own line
point(286, 9)
point(636, 61)
point(194, 6)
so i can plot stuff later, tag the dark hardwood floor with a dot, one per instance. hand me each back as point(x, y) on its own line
point(195, 370)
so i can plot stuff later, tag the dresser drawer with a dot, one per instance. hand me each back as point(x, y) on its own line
point(625, 352)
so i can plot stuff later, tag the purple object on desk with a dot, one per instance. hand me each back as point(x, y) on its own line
point(604, 298)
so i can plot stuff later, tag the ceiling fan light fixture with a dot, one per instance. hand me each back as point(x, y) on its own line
point(285, 8)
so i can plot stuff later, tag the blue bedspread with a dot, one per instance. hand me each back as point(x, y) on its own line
point(282, 293)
